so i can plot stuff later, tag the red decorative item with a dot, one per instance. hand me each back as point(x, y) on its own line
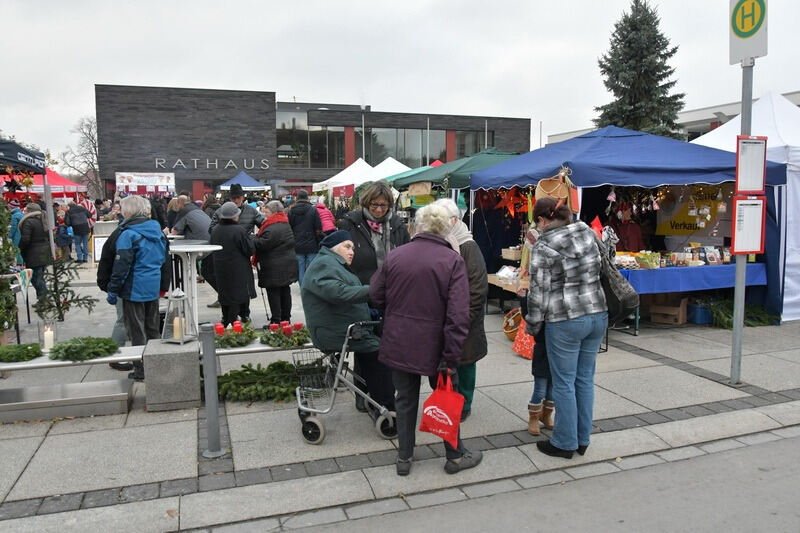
point(219, 329)
point(441, 412)
point(284, 323)
point(237, 326)
point(597, 227)
point(287, 330)
point(298, 326)
point(274, 327)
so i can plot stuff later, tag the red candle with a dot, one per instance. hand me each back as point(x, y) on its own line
point(219, 329)
point(274, 327)
point(284, 323)
point(237, 326)
point(287, 330)
point(298, 326)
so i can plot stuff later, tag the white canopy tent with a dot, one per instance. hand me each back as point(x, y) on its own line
point(389, 167)
point(779, 120)
point(357, 173)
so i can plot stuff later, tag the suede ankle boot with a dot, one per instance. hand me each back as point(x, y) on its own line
point(534, 412)
point(547, 414)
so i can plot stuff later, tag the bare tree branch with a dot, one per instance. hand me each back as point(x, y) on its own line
point(83, 157)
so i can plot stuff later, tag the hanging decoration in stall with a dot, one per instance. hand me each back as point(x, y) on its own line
point(561, 188)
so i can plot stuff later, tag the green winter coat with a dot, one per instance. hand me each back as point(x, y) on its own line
point(333, 298)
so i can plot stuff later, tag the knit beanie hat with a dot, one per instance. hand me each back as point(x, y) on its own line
point(337, 237)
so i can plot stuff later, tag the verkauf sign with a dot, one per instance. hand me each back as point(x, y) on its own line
point(748, 30)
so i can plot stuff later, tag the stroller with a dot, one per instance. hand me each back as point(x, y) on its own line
point(321, 375)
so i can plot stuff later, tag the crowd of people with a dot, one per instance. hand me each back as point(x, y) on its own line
point(426, 288)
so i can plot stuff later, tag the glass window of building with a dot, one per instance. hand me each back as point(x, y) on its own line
point(414, 150)
point(335, 135)
point(438, 146)
point(472, 142)
point(292, 138)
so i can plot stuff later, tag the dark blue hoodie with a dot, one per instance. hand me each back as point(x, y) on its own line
point(141, 251)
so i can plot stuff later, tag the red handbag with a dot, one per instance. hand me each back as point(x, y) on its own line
point(441, 412)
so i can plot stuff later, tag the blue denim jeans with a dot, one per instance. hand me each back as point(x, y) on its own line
point(542, 390)
point(81, 247)
point(572, 350)
point(303, 260)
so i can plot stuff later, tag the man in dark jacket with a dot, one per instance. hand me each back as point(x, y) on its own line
point(191, 221)
point(34, 245)
point(78, 219)
point(137, 274)
point(423, 290)
point(307, 229)
point(249, 218)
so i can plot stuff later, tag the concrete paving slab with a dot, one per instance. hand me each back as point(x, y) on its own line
point(638, 461)
point(604, 446)
point(15, 453)
point(515, 397)
point(89, 423)
point(438, 497)
point(542, 479)
point(765, 371)
point(104, 373)
point(430, 474)
point(664, 387)
point(757, 339)
point(615, 359)
point(758, 438)
point(789, 432)
point(281, 497)
point(274, 438)
point(787, 414)
point(112, 458)
point(381, 507)
point(679, 454)
point(18, 430)
point(788, 355)
point(713, 427)
point(500, 367)
point(682, 346)
point(256, 526)
point(591, 470)
point(142, 517)
point(721, 446)
point(314, 518)
point(490, 488)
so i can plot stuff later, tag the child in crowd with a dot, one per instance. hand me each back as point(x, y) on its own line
point(541, 405)
point(63, 238)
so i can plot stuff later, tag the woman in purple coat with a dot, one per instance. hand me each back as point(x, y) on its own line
point(423, 292)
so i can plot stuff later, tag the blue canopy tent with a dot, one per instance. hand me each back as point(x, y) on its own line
point(617, 156)
point(244, 179)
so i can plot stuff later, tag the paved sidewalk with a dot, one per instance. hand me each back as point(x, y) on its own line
point(663, 392)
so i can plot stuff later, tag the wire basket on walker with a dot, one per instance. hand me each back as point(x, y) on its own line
point(321, 375)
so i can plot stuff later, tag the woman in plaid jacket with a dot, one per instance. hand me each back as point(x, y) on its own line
point(566, 298)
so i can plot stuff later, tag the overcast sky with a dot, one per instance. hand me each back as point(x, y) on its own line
point(529, 58)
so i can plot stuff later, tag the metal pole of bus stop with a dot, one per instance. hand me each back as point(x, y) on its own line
point(212, 398)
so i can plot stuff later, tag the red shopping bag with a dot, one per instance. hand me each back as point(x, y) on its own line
point(441, 412)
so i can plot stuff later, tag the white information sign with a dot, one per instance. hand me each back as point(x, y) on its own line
point(748, 30)
point(749, 222)
point(751, 164)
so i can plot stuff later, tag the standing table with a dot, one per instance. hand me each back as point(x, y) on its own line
point(190, 251)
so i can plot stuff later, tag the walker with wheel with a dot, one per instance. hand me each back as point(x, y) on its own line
point(321, 375)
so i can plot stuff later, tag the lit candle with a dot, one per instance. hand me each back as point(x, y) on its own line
point(48, 339)
point(177, 327)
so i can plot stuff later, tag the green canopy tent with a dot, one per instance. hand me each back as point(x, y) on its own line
point(456, 172)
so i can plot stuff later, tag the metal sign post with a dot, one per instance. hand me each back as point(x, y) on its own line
point(748, 40)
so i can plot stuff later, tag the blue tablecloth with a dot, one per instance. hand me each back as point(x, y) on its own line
point(682, 279)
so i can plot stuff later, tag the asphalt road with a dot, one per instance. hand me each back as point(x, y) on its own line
point(755, 488)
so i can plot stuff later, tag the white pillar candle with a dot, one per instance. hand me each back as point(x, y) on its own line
point(177, 327)
point(48, 339)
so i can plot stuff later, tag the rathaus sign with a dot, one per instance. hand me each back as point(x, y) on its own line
point(216, 164)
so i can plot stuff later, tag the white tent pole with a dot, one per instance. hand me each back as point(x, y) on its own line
point(471, 207)
point(428, 149)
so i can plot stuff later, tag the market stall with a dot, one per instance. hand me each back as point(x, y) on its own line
point(618, 157)
point(247, 182)
point(161, 183)
point(358, 172)
point(778, 119)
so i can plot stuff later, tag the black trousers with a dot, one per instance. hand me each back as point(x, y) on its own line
point(407, 406)
point(141, 323)
point(232, 313)
point(280, 303)
point(378, 377)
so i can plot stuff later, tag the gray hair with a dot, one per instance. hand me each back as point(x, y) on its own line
point(450, 205)
point(135, 206)
point(275, 206)
point(433, 218)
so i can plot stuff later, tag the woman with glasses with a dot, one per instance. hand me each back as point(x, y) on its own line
point(376, 230)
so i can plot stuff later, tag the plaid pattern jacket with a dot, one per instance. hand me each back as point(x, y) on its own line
point(565, 276)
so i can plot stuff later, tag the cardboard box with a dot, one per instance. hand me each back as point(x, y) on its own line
point(669, 308)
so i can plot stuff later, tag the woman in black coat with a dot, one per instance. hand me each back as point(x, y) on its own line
point(236, 288)
point(34, 244)
point(277, 262)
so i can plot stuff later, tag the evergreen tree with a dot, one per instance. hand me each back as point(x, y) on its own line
point(637, 74)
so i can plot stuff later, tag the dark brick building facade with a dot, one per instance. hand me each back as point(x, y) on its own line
point(208, 136)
